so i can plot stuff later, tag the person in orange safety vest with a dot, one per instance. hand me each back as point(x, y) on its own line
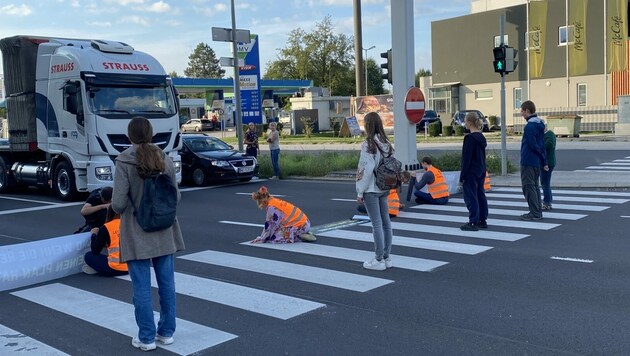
point(393, 204)
point(284, 223)
point(435, 182)
point(108, 235)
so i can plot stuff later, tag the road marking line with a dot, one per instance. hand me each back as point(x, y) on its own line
point(36, 208)
point(571, 259)
point(563, 191)
point(609, 167)
point(625, 216)
point(250, 194)
point(563, 198)
point(30, 200)
point(455, 231)
point(492, 211)
point(251, 299)
point(14, 237)
point(14, 342)
point(622, 160)
point(523, 204)
point(412, 263)
point(435, 245)
point(599, 171)
point(191, 337)
point(348, 200)
point(620, 164)
point(241, 223)
point(492, 222)
point(303, 273)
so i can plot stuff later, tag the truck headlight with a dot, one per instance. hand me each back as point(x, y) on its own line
point(104, 173)
point(178, 166)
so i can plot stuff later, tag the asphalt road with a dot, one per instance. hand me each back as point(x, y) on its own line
point(558, 286)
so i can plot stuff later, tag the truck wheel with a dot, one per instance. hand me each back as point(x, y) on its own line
point(64, 185)
point(5, 178)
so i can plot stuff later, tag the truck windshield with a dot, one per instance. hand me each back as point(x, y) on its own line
point(120, 102)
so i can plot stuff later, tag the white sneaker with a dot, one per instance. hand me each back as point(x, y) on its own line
point(388, 262)
point(135, 342)
point(164, 340)
point(88, 270)
point(375, 265)
point(308, 237)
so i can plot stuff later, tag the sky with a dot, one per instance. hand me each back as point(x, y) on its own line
point(169, 30)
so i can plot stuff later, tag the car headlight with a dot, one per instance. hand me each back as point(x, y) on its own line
point(104, 173)
point(219, 163)
point(178, 166)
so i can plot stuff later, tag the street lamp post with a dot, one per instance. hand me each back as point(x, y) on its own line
point(365, 65)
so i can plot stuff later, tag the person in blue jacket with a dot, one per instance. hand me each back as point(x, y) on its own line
point(533, 159)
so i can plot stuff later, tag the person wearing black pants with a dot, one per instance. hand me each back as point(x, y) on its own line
point(473, 174)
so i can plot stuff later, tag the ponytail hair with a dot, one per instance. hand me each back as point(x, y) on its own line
point(149, 157)
point(261, 197)
point(474, 120)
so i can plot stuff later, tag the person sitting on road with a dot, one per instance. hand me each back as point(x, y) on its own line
point(393, 204)
point(435, 182)
point(95, 208)
point(284, 222)
point(108, 236)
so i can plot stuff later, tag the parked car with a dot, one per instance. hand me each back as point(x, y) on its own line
point(207, 159)
point(459, 116)
point(198, 125)
point(430, 116)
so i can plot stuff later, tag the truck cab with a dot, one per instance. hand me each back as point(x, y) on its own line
point(67, 132)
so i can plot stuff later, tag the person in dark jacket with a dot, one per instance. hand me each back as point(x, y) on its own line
point(473, 174)
point(545, 175)
point(95, 209)
point(533, 158)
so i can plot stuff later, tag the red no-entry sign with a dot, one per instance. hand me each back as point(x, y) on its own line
point(414, 105)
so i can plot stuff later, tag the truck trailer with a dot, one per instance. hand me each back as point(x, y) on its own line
point(69, 102)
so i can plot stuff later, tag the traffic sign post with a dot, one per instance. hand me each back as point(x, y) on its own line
point(414, 105)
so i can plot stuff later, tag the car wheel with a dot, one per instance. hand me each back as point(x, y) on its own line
point(199, 176)
point(197, 129)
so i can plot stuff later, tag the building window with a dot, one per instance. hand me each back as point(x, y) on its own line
point(565, 35)
point(483, 94)
point(497, 40)
point(581, 94)
point(518, 98)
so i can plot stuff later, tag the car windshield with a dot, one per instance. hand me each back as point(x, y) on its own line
point(147, 101)
point(202, 144)
point(429, 114)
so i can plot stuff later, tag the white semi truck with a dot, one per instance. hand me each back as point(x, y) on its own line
point(68, 105)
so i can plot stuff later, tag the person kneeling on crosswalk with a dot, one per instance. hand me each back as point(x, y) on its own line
point(284, 222)
point(108, 235)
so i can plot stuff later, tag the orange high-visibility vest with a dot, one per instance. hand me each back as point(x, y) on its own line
point(486, 182)
point(113, 249)
point(393, 202)
point(439, 188)
point(293, 216)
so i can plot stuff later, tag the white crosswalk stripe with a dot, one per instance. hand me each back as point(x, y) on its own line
point(119, 316)
point(13, 342)
point(557, 192)
point(563, 198)
point(464, 219)
point(523, 204)
point(412, 263)
point(492, 211)
point(251, 299)
point(323, 276)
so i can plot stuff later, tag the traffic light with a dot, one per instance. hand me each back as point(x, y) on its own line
point(510, 59)
point(387, 66)
point(499, 62)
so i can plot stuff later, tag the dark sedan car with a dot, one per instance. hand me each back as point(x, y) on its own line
point(459, 116)
point(207, 159)
point(429, 117)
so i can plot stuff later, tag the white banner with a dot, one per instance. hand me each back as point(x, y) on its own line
point(41, 261)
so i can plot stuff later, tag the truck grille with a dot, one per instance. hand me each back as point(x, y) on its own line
point(121, 142)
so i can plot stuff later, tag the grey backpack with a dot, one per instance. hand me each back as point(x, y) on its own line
point(388, 172)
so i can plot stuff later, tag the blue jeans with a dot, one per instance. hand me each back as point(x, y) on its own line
point(545, 181)
point(140, 273)
point(475, 199)
point(275, 156)
point(377, 209)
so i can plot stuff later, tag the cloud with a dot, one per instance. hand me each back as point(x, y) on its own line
point(159, 6)
point(22, 10)
point(125, 2)
point(100, 23)
point(135, 20)
point(220, 7)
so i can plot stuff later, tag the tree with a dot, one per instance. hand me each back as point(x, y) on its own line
point(374, 78)
point(173, 74)
point(422, 73)
point(203, 63)
point(321, 56)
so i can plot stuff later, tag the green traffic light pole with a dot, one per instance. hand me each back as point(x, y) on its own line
point(503, 120)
